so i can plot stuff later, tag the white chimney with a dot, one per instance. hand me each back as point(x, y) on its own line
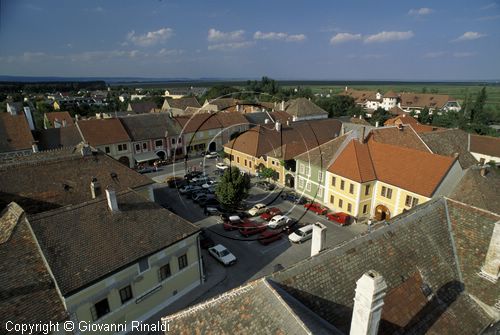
point(266, 121)
point(491, 267)
point(288, 122)
point(95, 188)
point(282, 105)
point(64, 123)
point(34, 147)
point(368, 302)
point(318, 238)
point(376, 124)
point(277, 125)
point(111, 196)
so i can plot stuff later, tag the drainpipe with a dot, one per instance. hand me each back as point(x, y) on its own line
point(200, 260)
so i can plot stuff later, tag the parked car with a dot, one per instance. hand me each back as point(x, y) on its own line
point(192, 174)
point(203, 196)
point(212, 154)
point(278, 221)
point(210, 201)
point(213, 210)
point(210, 183)
point(316, 208)
point(257, 209)
point(201, 179)
point(220, 253)
point(175, 182)
point(340, 218)
point(232, 222)
point(293, 198)
point(146, 169)
point(265, 185)
point(269, 236)
point(205, 240)
point(302, 234)
point(188, 189)
point(248, 228)
point(270, 212)
point(221, 166)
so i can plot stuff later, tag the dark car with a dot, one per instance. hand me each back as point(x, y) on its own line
point(192, 174)
point(265, 185)
point(213, 210)
point(269, 236)
point(293, 198)
point(205, 240)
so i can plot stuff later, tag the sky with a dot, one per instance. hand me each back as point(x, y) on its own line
point(283, 39)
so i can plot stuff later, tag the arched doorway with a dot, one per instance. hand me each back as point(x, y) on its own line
point(289, 180)
point(212, 147)
point(161, 154)
point(382, 213)
point(124, 160)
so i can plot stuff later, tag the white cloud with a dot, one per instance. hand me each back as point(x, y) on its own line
point(389, 36)
point(434, 54)
point(464, 54)
point(150, 38)
point(489, 6)
point(344, 37)
point(230, 46)
point(420, 11)
point(215, 35)
point(170, 52)
point(279, 36)
point(469, 36)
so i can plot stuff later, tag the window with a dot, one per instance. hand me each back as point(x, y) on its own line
point(342, 184)
point(143, 265)
point(320, 176)
point(389, 193)
point(308, 186)
point(332, 199)
point(183, 261)
point(308, 170)
point(411, 201)
point(351, 188)
point(333, 181)
point(100, 309)
point(122, 147)
point(159, 143)
point(301, 183)
point(302, 168)
point(137, 147)
point(349, 208)
point(383, 192)
point(144, 146)
point(164, 272)
point(173, 140)
point(320, 192)
point(179, 140)
point(231, 157)
point(237, 159)
point(245, 162)
point(340, 203)
point(126, 294)
point(250, 164)
point(106, 150)
point(365, 207)
point(367, 190)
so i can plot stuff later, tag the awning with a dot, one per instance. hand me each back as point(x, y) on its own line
point(146, 156)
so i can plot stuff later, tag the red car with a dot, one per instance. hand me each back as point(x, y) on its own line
point(232, 223)
point(340, 218)
point(270, 213)
point(316, 208)
point(269, 236)
point(248, 228)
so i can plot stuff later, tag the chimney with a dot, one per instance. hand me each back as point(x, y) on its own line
point(491, 267)
point(361, 116)
point(400, 126)
point(95, 188)
point(86, 150)
point(34, 147)
point(282, 105)
point(111, 196)
point(266, 121)
point(77, 117)
point(64, 123)
point(345, 89)
point(318, 238)
point(278, 126)
point(363, 134)
point(288, 122)
point(483, 171)
point(376, 124)
point(368, 302)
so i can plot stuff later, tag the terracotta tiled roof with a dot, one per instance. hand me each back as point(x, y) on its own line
point(401, 119)
point(390, 164)
point(224, 103)
point(421, 100)
point(360, 96)
point(485, 145)
point(86, 242)
point(28, 294)
point(103, 131)
point(397, 111)
point(198, 122)
point(229, 119)
point(15, 133)
point(390, 94)
point(62, 178)
point(403, 136)
point(59, 117)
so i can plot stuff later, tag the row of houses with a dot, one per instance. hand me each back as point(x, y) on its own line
point(407, 102)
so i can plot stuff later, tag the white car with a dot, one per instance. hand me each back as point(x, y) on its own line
point(221, 166)
point(278, 221)
point(301, 234)
point(211, 155)
point(220, 253)
point(257, 209)
point(209, 184)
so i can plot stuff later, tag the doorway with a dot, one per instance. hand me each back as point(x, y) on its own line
point(382, 213)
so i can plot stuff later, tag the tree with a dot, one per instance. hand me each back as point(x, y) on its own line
point(477, 112)
point(380, 115)
point(425, 117)
point(268, 173)
point(338, 105)
point(232, 188)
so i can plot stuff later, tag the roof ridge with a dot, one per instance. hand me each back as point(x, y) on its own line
point(471, 206)
point(356, 159)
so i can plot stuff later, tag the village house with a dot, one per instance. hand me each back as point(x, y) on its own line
point(200, 132)
point(485, 149)
point(57, 120)
point(377, 176)
point(178, 106)
point(432, 270)
point(16, 138)
point(141, 107)
point(303, 109)
point(109, 136)
point(57, 138)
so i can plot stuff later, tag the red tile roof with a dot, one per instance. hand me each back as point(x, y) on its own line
point(198, 122)
point(103, 131)
point(59, 117)
point(15, 133)
point(485, 145)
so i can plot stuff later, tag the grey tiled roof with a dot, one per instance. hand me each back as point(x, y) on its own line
point(86, 242)
point(255, 308)
point(51, 179)
point(479, 191)
point(303, 107)
point(55, 138)
point(28, 294)
point(448, 142)
point(150, 126)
